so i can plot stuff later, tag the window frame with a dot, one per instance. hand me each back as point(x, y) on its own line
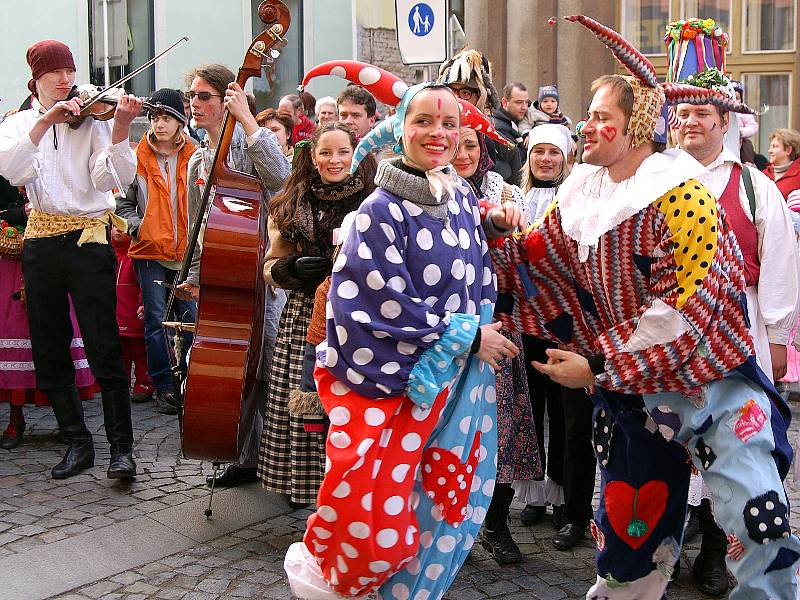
point(743, 34)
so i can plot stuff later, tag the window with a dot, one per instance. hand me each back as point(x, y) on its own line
point(643, 24)
point(719, 10)
point(768, 95)
point(770, 25)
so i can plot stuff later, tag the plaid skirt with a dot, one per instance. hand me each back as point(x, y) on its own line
point(291, 461)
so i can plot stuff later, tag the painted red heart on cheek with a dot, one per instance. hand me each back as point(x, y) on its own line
point(625, 504)
point(609, 133)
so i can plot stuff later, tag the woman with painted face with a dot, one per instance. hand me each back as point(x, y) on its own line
point(406, 373)
point(156, 208)
point(517, 444)
point(302, 219)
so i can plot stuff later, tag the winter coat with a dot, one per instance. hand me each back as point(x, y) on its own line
point(790, 181)
point(129, 295)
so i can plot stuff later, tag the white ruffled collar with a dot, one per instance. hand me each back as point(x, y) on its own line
point(592, 205)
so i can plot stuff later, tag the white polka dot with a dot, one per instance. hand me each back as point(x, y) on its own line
point(342, 490)
point(390, 368)
point(478, 515)
point(340, 389)
point(422, 595)
point(399, 472)
point(321, 533)
point(328, 310)
point(487, 424)
point(400, 590)
point(359, 316)
point(349, 550)
point(362, 356)
point(388, 231)
point(339, 439)
point(331, 357)
point(326, 513)
point(354, 377)
point(762, 527)
point(379, 566)
point(391, 309)
point(328, 464)
point(432, 274)
point(491, 394)
point(347, 290)
point(339, 71)
point(453, 303)
point(339, 263)
point(464, 424)
point(368, 75)
point(364, 252)
point(383, 388)
point(363, 222)
point(453, 207)
point(375, 280)
point(333, 576)
point(458, 269)
point(424, 239)
point(411, 442)
point(446, 543)
point(470, 270)
point(412, 208)
point(431, 300)
point(364, 446)
point(410, 534)
point(393, 506)
point(358, 530)
point(425, 539)
point(463, 239)
point(769, 505)
point(387, 538)
point(339, 415)
point(449, 238)
point(341, 335)
point(488, 487)
point(366, 501)
point(434, 571)
point(393, 255)
point(778, 521)
point(395, 211)
point(487, 276)
point(406, 348)
point(399, 88)
point(386, 435)
point(419, 413)
point(433, 320)
point(374, 416)
point(754, 511)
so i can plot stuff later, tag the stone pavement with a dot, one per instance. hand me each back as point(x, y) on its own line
point(89, 537)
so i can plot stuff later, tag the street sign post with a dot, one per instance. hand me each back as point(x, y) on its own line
point(422, 31)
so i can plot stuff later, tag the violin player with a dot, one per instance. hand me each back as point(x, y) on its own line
point(254, 150)
point(66, 251)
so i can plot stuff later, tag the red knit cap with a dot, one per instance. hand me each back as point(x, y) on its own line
point(46, 56)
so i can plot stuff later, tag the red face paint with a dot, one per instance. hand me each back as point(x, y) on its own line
point(609, 133)
point(439, 104)
point(412, 135)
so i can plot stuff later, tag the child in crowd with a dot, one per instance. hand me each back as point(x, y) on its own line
point(546, 108)
point(130, 316)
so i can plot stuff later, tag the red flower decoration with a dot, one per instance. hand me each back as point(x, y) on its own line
point(535, 245)
point(200, 181)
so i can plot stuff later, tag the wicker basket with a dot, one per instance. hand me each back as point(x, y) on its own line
point(11, 247)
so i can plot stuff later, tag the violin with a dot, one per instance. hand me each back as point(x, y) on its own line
point(101, 109)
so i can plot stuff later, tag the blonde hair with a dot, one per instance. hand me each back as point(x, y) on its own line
point(790, 138)
point(527, 177)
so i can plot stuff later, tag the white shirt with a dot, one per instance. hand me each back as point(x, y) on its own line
point(72, 173)
point(779, 280)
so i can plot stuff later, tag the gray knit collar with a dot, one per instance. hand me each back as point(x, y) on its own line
point(405, 185)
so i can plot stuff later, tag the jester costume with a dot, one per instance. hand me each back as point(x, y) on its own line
point(644, 278)
point(411, 449)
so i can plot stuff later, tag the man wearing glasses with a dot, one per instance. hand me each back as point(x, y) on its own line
point(254, 150)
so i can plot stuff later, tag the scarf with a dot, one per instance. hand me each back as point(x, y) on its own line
point(780, 171)
point(485, 164)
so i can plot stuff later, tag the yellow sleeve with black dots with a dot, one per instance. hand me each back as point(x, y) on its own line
point(690, 212)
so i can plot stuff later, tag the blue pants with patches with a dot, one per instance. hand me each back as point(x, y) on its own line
point(736, 436)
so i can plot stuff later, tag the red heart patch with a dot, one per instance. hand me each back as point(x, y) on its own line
point(651, 502)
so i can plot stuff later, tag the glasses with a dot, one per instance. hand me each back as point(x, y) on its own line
point(465, 93)
point(202, 96)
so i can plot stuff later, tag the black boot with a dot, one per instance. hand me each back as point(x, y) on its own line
point(709, 568)
point(68, 410)
point(692, 527)
point(495, 536)
point(119, 431)
point(531, 515)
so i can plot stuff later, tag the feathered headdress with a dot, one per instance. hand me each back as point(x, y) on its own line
point(469, 67)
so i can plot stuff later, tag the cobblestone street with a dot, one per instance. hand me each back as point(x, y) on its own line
point(89, 537)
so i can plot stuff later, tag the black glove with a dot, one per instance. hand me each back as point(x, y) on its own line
point(309, 268)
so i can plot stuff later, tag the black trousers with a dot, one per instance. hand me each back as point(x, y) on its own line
point(55, 269)
point(570, 460)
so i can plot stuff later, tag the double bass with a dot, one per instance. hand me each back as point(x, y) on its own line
point(226, 349)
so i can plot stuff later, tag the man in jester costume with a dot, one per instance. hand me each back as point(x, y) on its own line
point(637, 274)
point(405, 374)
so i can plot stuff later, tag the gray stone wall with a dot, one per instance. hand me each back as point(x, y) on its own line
point(379, 47)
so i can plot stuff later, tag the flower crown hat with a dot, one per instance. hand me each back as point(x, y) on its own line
point(392, 91)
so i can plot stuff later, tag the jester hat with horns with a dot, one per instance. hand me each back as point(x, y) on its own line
point(392, 91)
point(648, 118)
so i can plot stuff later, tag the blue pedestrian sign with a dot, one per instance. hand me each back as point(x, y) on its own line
point(422, 30)
point(421, 19)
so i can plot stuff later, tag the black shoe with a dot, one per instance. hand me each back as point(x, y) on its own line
point(232, 476)
point(710, 573)
point(559, 518)
point(531, 515)
point(79, 456)
point(12, 437)
point(692, 527)
point(500, 545)
point(166, 403)
point(140, 397)
point(121, 465)
point(569, 536)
